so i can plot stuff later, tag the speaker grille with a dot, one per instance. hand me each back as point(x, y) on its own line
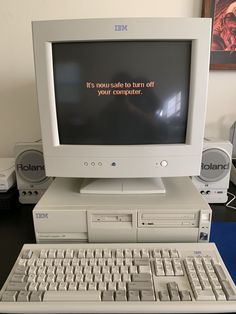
point(215, 165)
point(30, 166)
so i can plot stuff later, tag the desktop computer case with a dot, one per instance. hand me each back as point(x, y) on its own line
point(65, 215)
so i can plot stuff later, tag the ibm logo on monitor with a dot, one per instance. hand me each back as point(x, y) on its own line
point(121, 28)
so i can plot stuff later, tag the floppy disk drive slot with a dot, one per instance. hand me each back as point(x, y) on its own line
point(112, 218)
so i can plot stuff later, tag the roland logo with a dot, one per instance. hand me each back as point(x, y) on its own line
point(212, 166)
point(41, 216)
point(30, 167)
point(121, 28)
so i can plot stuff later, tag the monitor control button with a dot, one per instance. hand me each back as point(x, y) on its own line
point(164, 163)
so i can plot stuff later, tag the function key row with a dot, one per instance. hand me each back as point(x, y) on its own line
point(101, 253)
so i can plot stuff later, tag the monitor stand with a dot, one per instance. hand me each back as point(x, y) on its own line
point(122, 186)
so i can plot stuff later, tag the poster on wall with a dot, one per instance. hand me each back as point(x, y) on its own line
point(223, 39)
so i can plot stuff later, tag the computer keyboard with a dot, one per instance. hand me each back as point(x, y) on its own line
point(119, 278)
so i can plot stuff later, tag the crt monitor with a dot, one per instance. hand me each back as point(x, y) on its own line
point(122, 98)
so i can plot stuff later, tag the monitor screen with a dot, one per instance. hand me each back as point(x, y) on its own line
point(122, 93)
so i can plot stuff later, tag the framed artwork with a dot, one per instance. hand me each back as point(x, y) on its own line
point(223, 39)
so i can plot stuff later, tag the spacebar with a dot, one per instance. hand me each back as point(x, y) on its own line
point(64, 296)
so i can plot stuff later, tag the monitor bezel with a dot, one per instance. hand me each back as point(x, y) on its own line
point(197, 30)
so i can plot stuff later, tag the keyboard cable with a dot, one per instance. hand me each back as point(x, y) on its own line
point(230, 201)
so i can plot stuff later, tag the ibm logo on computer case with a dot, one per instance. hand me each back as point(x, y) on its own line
point(41, 215)
point(121, 28)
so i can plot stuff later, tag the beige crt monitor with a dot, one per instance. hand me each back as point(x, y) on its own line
point(122, 98)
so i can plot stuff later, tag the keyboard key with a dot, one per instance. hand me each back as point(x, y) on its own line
point(43, 286)
point(144, 285)
point(102, 286)
point(27, 254)
point(9, 296)
point(220, 272)
point(16, 286)
point(136, 253)
point(144, 269)
point(173, 291)
point(119, 253)
point(60, 253)
point(133, 295)
point(21, 270)
point(53, 286)
point(185, 295)
point(147, 295)
point(141, 262)
point(228, 290)
point(43, 253)
point(72, 296)
point(36, 296)
point(97, 277)
point(111, 286)
point(141, 277)
point(164, 295)
point(128, 253)
point(23, 296)
point(120, 296)
point(98, 253)
point(156, 253)
point(106, 253)
point(124, 269)
point(52, 253)
point(89, 253)
point(33, 286)
point(165, 253)
point(81, 253)
point(204, 295)
point(133, 269)
point(107, 277)
point(219, 294)
point(108, 296)
point(116, 277)
point(121, 286)
point(92, 286)
point(69, 253)
point(72, 286)
point(174, 253)
point(83, 286)
point(19, 278)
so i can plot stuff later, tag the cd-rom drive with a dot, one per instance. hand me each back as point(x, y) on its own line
point(165, 220)
point(65, 215)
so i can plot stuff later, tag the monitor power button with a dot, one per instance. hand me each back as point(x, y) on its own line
point(164, 163)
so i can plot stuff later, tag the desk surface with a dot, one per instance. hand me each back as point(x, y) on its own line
point(16, 228)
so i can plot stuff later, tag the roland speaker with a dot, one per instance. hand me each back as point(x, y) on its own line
point(30, 172)
point(213, 181)
point(232, 138)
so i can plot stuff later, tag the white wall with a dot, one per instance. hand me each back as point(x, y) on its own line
point(19, 119)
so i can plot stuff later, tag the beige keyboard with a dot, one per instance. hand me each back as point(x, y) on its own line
point(107, 278)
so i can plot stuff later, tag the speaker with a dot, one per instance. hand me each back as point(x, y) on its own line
point(232, 138)
point(31, 179)
point(213, 181)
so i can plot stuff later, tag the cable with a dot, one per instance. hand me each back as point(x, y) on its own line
point(228, 204)
point(9, 166)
